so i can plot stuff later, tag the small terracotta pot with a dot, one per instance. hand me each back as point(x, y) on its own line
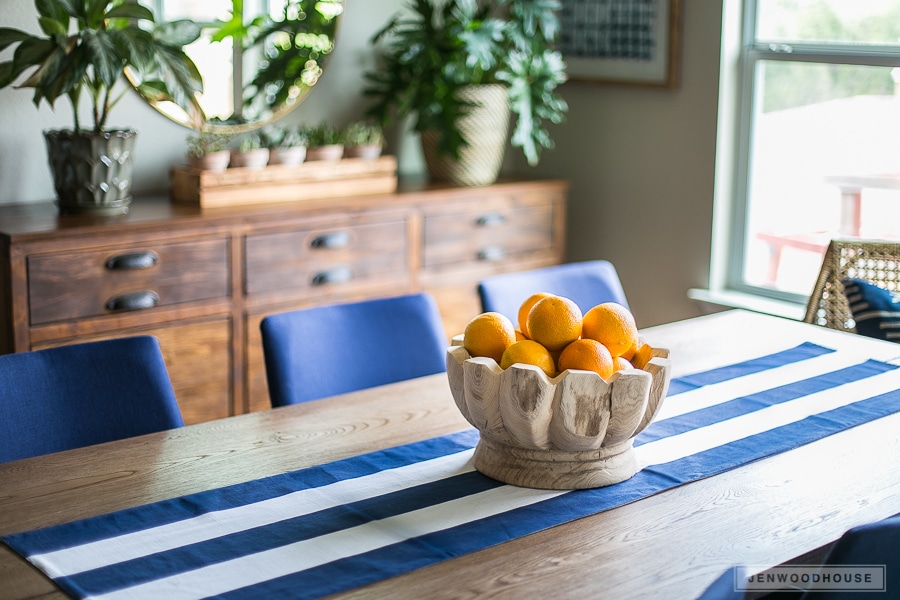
point(330, 152)
point(368, 152)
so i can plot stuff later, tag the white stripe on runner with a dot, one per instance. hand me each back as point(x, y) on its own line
point(270, 564)
point(101, 553)
point(698, 440)
point(717, 393)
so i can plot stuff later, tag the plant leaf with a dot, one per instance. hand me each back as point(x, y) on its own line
point(101, 52)
point(135, 47)
point(10, 36)
point(53, 27)
point(129, 10)
point(33, 52)
point(176, 33)
point(56, 10)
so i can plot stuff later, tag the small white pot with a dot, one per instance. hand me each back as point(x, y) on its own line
point(253, 159)
point(290, 157)
point(214, 161)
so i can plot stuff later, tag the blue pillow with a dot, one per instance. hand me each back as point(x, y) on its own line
point(875, 310)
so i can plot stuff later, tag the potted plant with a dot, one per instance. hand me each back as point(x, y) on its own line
point(87, 48)
point(325, 142)
point(363, 139)
point(287, 145)
point(445, 61)
point(250, 152)
point(209, 151)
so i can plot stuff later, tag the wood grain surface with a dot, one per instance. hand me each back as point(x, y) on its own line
point(671, 545)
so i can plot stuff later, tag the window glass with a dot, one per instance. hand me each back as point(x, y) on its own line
point(814, 126)
point(819, 153)
point(829, 21)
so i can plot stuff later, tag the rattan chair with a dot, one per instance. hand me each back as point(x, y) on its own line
point(876, 261)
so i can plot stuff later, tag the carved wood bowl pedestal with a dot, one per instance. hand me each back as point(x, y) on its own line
point(573, 431)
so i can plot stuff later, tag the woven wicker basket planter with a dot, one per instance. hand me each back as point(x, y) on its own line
point(485, 127)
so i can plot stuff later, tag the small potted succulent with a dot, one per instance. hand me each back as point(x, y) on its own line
point(287, 145)
point(208, 151)
point(250, 152)
point(363, 139)
point(85, 52)
point(326, 142)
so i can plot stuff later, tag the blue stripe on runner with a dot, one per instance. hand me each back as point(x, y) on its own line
point(403, 557)
point(804, 351)
point(177, 509)
point(763, 399)
point(282, 533)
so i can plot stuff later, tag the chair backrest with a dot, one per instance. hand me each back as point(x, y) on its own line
point(876, 261)
point(334, 349)
point(724, 587)
point(869, 545)
point(83, 394)
point(587, 283)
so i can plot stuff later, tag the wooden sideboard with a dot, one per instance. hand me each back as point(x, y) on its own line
point(201, 280)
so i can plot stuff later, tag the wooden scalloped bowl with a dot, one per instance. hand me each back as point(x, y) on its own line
point(573, 431)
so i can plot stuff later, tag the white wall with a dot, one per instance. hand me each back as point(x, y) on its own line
point(641, 163)
point(640, 160)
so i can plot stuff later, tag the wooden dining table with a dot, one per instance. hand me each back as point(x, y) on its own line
point(670, 545)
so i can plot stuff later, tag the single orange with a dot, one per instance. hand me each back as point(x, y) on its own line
point(587, 355)
point(489, 334)
point(529, 352)
point(620, 364)
point(612, 325)
point(554, 322)
point(629, 354)
point(526, 308)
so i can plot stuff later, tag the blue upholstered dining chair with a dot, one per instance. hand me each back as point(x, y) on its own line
point(586, 283)
point(83, 394)
point(723, 587)
point(867, 545)
point(334, 349)
point(871, 544)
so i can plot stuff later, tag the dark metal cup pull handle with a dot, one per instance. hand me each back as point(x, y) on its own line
point(133, 301)
point(336, 275)
point(492, 253)
point(133, 261)
point(491, 220)
point(340, 239)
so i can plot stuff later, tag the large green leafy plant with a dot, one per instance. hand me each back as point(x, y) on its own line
point(439, 46)
point(90, 45)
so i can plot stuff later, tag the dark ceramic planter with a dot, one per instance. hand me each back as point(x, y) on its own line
point(91, 171)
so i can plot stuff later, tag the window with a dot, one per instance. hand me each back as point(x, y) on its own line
point(818, 135)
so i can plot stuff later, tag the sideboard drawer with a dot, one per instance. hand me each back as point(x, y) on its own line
point(75, 285)
point(487, 234)
point(306, 259)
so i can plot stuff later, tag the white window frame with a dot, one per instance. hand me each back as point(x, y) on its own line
point(739, 57)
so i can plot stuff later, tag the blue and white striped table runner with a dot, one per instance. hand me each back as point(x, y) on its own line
point(334, 527)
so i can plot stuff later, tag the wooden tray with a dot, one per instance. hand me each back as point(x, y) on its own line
point(278, 183)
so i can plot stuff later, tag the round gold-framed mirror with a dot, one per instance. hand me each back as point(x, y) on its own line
point(258, 58)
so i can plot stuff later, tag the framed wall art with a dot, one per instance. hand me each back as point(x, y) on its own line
point(621, 41)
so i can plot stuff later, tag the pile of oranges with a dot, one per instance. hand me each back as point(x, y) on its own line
point(554, 335)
